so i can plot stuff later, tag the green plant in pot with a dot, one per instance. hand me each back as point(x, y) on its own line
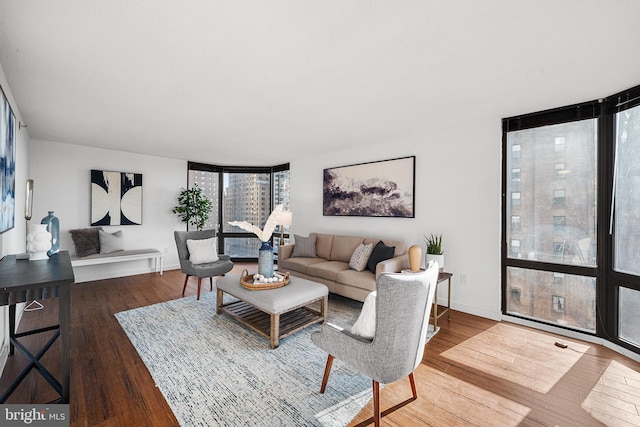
point(434, 249)
point(193, 207)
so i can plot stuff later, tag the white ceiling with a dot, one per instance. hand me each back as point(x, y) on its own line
point(262, 82)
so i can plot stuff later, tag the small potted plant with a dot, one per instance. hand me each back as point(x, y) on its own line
point(193, 207)
point(434, 249)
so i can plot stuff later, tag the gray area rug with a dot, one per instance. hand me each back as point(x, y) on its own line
point(215, 372)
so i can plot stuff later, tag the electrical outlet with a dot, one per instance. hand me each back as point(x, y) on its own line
point(464, 279)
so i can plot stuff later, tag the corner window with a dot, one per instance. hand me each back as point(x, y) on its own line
point(578, 211)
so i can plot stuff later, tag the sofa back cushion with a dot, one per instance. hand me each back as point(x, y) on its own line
point(323, 245)
point(401, 248)
point(343, 247)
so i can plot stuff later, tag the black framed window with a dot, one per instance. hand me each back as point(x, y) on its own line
point(240, 193)
point(578, 223)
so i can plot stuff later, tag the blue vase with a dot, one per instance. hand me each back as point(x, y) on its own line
point(265, 260)
point(53, 227)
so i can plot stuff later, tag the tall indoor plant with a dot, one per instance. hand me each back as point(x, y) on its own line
point(434, 249)
point(194, 208)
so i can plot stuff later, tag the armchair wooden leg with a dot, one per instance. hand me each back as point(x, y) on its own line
point(211, 283)
point(186, 279)
point(413, 385)
point(327, 369)
point(199, 285)
point(376, 403)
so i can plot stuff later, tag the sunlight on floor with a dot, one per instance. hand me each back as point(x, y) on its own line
point(478, 406)
point(615, 399)
point(517, 355)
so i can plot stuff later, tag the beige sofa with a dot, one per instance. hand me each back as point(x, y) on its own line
point(331, 264)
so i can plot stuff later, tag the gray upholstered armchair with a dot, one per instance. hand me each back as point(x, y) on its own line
point(202, 270)
point(403, 306)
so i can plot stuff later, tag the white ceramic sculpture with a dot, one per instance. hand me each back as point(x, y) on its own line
point(38, 242)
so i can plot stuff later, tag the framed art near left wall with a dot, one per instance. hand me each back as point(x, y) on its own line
point(7, 164)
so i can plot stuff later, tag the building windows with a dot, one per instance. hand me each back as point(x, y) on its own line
point(558, 303)
point(515, 151)
point(560, 170)
point(558, 249)
point(559, 144)
point(515, 222)
point(515, 295)
point(515, 199)
point(515, 174)
point(558, 279)
point(558, 198)
point(558, 223)
point(515, 247)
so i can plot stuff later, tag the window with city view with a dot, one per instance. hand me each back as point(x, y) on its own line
point(241, 194)
point(556, 211)
point(627, 218)
point(571, 221)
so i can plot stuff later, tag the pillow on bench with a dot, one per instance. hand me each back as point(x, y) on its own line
point(86, 241)
point(111, 242)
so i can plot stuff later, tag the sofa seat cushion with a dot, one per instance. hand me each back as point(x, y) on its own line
point(359, 279)
point(327, 270)
point(298, 264)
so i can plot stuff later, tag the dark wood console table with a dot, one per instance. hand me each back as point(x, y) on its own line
point(24, 280)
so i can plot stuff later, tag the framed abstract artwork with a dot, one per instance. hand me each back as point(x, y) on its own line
point(116, 198)
point(7, 164)
point(384, 188)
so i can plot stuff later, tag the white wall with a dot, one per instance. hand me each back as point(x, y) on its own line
point(457, 194)
point(62, 183)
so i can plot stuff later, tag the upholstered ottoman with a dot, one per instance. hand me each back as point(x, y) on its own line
point(274, 313)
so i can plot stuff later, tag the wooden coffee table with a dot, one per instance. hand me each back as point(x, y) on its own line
point(274, 313)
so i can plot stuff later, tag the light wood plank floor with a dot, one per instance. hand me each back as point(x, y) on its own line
point(476, 372)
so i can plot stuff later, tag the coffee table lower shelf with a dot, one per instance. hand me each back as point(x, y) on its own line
point(272, 326)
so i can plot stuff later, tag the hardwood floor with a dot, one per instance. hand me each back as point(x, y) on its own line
point(475, 371)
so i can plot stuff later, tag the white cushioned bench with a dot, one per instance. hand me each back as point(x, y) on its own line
point(121, 256)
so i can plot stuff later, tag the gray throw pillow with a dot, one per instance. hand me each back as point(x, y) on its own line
point(304, 246)
point(111, 242)
point(86, 241)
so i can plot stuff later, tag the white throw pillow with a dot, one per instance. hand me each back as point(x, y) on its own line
point(203, 251)
point(361, 256)
point(365, 326)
